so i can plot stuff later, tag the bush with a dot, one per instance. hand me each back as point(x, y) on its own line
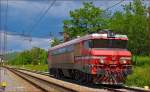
point(34, 67)
point(37, 67)
point(140, 77)
point(141, 60)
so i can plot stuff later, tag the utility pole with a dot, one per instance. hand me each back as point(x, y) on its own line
point(149, 27)
point(0, 33)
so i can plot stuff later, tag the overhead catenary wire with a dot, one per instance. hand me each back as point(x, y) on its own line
point(41, 17)
point(30, 25)
point(29, 37)
point(109, 7)
point(45, 12)
point(37, 22)
point(113, 5)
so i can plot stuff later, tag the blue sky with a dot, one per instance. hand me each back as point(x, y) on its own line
point(23, 14)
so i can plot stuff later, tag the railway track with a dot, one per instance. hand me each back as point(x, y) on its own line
point(126, 89)
point(40, 83)
point(50, 84)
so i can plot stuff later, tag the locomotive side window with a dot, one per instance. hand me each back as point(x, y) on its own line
point(70, 48)
point(63, 50)
point(88, 44)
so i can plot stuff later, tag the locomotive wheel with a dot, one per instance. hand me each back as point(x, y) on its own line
point(84, 77)
point(54, 72)
point(60, 73)
point(57, 74)
point(89, 78)
point(77, 75)
point(72, 74)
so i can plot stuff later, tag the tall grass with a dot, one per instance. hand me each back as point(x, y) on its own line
point(140, 76)
point(141, 72)
point(37, 67)
point(34, 67)
point(141, 60)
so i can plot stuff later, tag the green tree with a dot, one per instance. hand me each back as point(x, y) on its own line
point(140, 28)
point(133, 22)
point(34, 56)
point(85, 20)
point(117, 22)
point(55, 42)
point(25, 57)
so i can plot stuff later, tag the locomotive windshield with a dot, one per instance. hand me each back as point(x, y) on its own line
point(108, 43)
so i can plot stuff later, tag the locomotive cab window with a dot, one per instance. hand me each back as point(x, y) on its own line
point(118, 44)
point(106, 43)
point(100, 43)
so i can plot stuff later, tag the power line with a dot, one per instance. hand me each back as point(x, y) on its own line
point(46, 11)
point(113, 5)
point(54, 2)
point(30, 25)
point(34, 26)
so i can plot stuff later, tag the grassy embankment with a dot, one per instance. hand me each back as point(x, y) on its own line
point(34, 67)
point(141, 72)
point(140, 76)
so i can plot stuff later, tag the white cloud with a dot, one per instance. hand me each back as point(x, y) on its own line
point(40, 42)
point(31, 10)
point(19, 43)
point(59, 9)
point(62, 8)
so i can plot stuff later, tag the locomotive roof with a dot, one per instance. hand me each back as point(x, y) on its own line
point(90, 36)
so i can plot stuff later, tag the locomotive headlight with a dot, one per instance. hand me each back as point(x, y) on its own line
point(102, 59)
point(124, 59)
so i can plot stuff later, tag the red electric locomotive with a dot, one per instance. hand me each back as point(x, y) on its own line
point(99, 58)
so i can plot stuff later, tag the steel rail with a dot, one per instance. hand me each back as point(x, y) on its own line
point(39, 81)
point(37, 86)
point(112, 89)
point(116, 90)
point(135, 89)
